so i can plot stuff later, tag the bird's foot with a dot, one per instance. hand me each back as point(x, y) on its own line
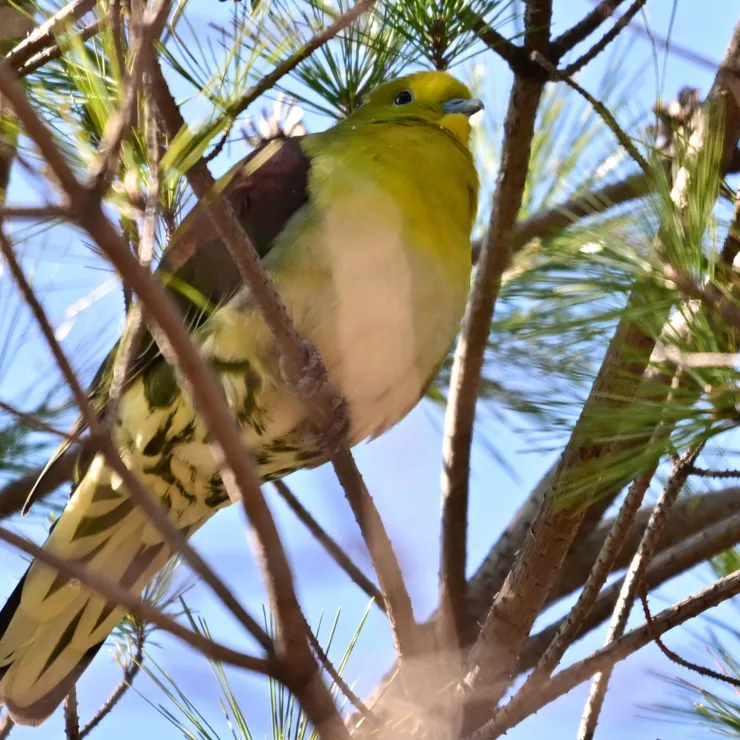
point(311, 377)
point(332, 438)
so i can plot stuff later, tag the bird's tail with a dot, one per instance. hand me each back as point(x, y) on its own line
point(52, 627)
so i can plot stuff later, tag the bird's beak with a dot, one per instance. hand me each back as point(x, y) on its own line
point(466, 106)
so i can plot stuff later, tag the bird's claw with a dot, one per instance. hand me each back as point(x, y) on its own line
point(334, 436)
point(312, 376)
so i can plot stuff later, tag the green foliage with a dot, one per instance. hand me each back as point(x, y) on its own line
point(288, 721)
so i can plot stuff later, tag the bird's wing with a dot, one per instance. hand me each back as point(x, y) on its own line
point(265, 190)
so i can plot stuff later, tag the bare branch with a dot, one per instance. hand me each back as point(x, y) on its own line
point(71, 717)
point(606, 39)
point(668, 564)
point(605, 658)
point(45, 34)
point(299, 362)
point(675, 657)
point(116, 594)
point(600, 109)
point(133, 666)
point(34, 421)
point(339, 556)
point(583, 29)
point(632, 582)
point(469, 354)
point(55, 52)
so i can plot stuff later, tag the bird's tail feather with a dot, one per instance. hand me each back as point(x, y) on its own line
point(52, 627)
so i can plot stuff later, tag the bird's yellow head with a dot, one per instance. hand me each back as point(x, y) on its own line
point(435, 97)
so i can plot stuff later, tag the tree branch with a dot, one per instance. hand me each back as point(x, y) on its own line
point(339, 556)
point(116, 594)
point(297, 360)
point(605, 658)
point(632, 582)
point(133, 666)
point(606, 39)
point(583, 29)
point(469, 354)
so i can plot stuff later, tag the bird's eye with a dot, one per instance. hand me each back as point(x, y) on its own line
point(404, 97)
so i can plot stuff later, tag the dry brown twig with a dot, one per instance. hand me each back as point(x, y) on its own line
point(468, 360)
point(632, 581)
point(337, 553)
point(130, 671)
point(71, 716)
point(116, 594)
point(605, 658)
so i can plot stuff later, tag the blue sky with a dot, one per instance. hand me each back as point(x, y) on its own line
point(402, 470)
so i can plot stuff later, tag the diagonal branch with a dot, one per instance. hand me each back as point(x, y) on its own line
point(605, 658)
point(339, 556)
point(632, 582)
point(45, 34)
point(133, 666)
point(606, 39)
point(584, 28)
point(117, 594)
point(299, 362)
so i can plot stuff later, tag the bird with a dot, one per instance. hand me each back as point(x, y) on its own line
point(365, 230)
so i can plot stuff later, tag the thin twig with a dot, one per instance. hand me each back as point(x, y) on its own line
point(605, 658)
point(300, 362)
point(35, 212)
point(675, 657)
point(144, 30)
point(599, 108)
point(513, 55)
point(101, 435)
point(117, 594)
point(605, 40)
point(286, 67)
point(342, 685)
point(583, 29)
point(33, 420)
point(331, 546)
point(71, 716)
point(135, 325)
point(681, 557)
point(599, 573)
point(721, 474)
point(632, 582)
point(133, 666)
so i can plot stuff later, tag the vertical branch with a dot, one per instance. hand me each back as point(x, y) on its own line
point(469, 354)
point(632, 582)
point(71, 716)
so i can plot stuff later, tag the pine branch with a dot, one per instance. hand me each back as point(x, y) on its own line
point(331, 546)
point(133, 666)
point(632, 582)
point(469, 354)
point(605, 40)
point(115, 593)
point(664, 567)
point(583, 29)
